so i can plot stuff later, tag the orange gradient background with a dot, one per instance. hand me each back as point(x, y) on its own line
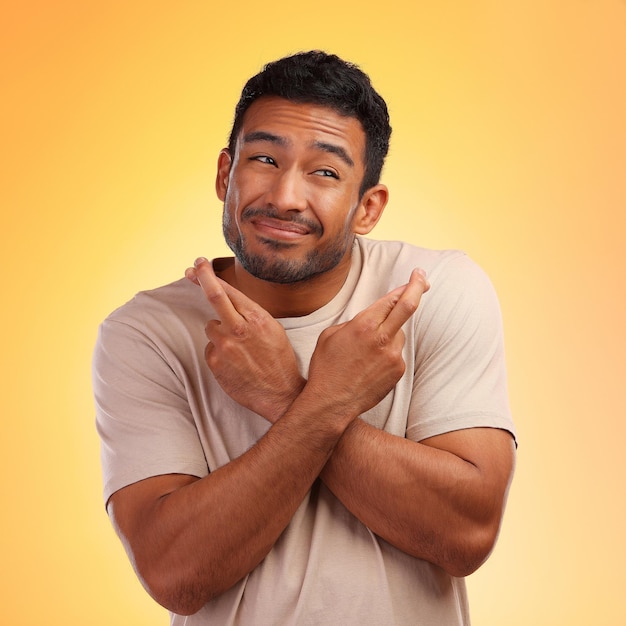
point(509, 142)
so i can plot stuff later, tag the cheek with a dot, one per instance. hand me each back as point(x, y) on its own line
point(339, 215)
point(230, 217)
point(244, 190)
point(234, 200)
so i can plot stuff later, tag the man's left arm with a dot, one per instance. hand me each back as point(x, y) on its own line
point(440, 500)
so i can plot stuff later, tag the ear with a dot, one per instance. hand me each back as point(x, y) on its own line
point(370, 209)
point(224, 161)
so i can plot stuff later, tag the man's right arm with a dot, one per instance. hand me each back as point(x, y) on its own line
point(190, 539)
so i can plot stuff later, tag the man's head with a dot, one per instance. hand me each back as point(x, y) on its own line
point(299, 179)
point(325, 80)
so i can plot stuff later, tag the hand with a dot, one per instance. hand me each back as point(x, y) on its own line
point(248, 350)
point(356, 364)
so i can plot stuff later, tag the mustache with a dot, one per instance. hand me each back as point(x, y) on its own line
point(294, 218)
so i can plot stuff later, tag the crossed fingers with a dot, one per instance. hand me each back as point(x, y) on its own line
point(391, 311)
point(232, 307)
point(248, 351)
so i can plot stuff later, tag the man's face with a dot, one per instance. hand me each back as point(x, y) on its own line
point(291, 190)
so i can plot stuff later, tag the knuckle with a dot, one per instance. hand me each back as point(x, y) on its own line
point(255, 318)
point(214, 295)
point(401, 366)
point(211, 328)
point(408, 306)
point(365, 325)
point(239, 330)
point(382, 339)
point(208, 354)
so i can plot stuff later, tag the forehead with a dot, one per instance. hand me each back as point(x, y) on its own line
point(303, 125)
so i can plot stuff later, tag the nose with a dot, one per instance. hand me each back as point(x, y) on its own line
point(287, 191)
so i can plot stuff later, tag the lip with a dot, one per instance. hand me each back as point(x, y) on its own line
point(280, 229)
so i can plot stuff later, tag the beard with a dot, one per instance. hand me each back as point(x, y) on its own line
point(273, 268)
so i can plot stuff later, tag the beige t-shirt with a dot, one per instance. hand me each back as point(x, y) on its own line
point(160, 411)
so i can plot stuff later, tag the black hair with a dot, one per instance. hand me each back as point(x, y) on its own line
point(324, 79)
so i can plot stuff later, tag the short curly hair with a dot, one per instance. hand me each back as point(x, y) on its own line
point(316, 77)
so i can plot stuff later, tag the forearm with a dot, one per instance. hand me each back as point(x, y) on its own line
point(428, 502)
point(198, 540)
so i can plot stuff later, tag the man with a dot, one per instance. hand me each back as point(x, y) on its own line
point(340, 450)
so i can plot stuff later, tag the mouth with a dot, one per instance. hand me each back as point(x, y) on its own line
point(274, 228)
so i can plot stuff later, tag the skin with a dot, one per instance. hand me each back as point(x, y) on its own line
point(299, 168)
point(440, 500)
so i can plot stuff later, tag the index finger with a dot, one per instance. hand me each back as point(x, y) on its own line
point(406, 303)
point(215, 293)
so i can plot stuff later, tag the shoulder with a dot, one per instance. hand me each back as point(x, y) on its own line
point(460, 290)
point(179, 300)
point(168, 321)
point(396, 259)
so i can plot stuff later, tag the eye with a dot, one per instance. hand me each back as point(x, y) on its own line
point(263, 158)
point(326, 173)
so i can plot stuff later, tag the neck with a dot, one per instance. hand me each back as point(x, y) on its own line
point(291, 300)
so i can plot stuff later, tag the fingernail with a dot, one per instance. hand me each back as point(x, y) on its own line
point(199, 261)
point(419, 270)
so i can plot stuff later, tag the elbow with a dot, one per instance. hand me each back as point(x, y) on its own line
point(171, 590)
point(172, 596)
point(177, 584)
point(470, 551)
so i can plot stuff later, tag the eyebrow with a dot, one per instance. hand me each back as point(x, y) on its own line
point(331, 148)
point(261, 135)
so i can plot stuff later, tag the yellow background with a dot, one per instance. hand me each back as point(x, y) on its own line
point(509, 142)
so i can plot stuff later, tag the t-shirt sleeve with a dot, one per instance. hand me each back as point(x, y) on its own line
point(460, 371)
point(143, 415)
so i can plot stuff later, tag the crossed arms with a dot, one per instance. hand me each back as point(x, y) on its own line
point(440, 500)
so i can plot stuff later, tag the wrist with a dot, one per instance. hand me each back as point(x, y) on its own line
point(327, 408)
point(286, 399)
